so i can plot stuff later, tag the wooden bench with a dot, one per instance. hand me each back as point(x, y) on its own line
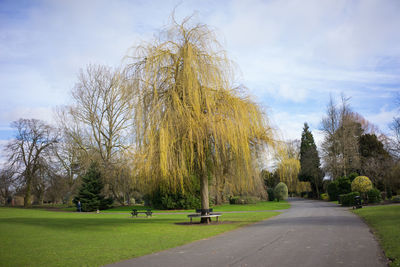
point(199, 213)
point(136, 212)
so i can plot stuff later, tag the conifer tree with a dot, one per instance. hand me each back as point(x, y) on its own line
point(310, 170)
point(90, 192)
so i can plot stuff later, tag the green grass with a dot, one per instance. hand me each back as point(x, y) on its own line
point(260, 206)
point(32, 237)
point(385, 221)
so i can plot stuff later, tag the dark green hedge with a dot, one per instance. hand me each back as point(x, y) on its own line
point(347, 200)
point(374, 196)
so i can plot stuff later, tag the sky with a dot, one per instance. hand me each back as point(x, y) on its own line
point(293, 55)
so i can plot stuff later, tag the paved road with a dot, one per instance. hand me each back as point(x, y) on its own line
point(311, 233)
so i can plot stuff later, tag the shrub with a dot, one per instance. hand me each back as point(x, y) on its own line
point(281, 191)
point(344, 185)
point(324, 196)
point(361, 184)
point(174, 200)
point(304, 194)
point(243, 200)
point(270, 192)
point(396, 199)
point(347, 200)
point(374, 196)
point(352, 176)
point(333, 191)
point(389, 193)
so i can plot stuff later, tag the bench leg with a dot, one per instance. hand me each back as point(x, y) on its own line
point(190, 220)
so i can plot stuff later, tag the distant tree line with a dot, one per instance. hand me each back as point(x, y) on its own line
point(170, 128)
point(351, 147)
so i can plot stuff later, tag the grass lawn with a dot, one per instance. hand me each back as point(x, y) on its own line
point(31, 237)
point(385, 220)
point(260, 206)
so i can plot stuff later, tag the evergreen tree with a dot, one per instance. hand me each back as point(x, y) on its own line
point(310, 170)
point(90, 192)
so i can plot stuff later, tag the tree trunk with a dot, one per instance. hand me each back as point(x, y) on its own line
point(28, 197)
point(41, 197)
point(204, 197)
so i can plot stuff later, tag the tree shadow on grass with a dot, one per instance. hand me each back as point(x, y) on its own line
point(89, 224)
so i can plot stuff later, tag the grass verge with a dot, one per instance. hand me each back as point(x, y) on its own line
point(32, 237)
point(385, 221)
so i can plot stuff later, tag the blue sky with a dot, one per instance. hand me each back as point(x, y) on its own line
point(292, 54)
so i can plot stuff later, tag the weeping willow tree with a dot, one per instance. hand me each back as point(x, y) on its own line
point(288, 166)
point(191, 120)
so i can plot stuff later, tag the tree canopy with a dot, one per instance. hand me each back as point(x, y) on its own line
point(190, 117)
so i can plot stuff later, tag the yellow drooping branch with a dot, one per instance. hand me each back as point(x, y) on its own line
point(190, 116)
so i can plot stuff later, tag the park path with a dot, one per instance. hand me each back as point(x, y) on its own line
point(310, 233)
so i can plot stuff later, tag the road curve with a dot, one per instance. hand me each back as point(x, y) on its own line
point(310, 233)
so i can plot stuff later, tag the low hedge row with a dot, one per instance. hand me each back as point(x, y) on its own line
point(347, 200)
point(243, 200)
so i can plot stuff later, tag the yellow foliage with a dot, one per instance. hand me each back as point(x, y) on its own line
point(288, 168)
point(361, 184)
point(190, 118)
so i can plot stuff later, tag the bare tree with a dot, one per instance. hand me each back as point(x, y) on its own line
point(342, 128)
point(30, 151)
point(99, 123)
point(70, 164)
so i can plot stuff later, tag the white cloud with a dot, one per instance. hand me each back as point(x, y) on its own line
point(292, 53)
point(40, 113)
point(382, 118)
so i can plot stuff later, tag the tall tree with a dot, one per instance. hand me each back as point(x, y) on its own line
point(30, 151)
point(376, 162)
point(309, 162)
point(90, 192)
point(342, 129)
point(190, 118)
point(99, 122)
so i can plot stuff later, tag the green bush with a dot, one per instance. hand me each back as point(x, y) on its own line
point(281, 191)
point(352, 176)
point(304, 194)
point(338, 187)
point(333, 191)
point(324, 196)
point(243, 200)
point(374, 196)
point(396, 199)
point(166, 197)
point(347, 200)
point(271, 196)
point(389, 193)
point(174, 200)
point(344, 185)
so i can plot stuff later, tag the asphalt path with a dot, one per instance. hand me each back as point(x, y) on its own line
point(310, 233)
